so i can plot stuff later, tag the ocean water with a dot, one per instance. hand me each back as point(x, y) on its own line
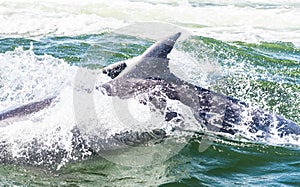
point(246, 49)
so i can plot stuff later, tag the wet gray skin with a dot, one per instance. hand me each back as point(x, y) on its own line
point(214, 111)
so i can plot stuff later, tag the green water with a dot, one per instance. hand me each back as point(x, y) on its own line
point(224, 163)
point(264, 74)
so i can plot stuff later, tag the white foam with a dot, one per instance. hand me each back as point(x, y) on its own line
point(231, 20)
point(26, 77)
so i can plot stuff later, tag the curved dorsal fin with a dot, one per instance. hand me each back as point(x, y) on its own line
point(162, 48)
point(152, 63)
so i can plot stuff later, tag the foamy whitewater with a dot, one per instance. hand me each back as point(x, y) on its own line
point(251, 21)
point(36, 68)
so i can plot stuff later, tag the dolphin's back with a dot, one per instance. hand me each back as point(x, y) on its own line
point(214, 111)
point(26, 109)
point(235, 115)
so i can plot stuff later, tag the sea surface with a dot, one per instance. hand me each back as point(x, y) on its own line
point(249, 50)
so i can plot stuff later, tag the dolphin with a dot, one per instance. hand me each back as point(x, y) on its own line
point(213, 111)
point(26, 109)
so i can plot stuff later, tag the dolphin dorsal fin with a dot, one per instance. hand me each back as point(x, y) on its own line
point(162, 48)
point(153, 63)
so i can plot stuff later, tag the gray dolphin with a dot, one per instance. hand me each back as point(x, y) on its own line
point(214, 111)
point(26, 109)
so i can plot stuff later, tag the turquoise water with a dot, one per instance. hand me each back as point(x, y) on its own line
point(265, 74)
